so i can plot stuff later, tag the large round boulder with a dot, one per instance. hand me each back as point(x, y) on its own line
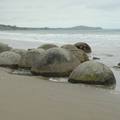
point(57, 62)
point(83, 46)
point(92, 72)
point(9, 59)
point(4, 47)
point(47, 46)
point(80, 54)
point(29, 56)
point(19, 51)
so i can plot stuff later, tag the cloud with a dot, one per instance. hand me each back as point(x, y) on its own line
point(96, 4)
point(105, 5)
point(60, 12)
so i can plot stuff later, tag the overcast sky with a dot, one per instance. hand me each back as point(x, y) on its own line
point(60, 13)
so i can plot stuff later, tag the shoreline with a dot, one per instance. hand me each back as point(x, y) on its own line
point(106, 57)
point(29, 97)
point(35, 97)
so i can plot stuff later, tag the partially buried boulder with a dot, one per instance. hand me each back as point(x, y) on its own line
point(9, 59)
point(57, 62)
point(92, 72)
point(47, 46)
point(4, 47)
point(28, 58)
point(80, 54)
point(84, 46)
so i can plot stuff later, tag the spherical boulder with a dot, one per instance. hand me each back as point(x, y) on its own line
point(47, 46)
point(19, 51)
point(84, 46)
point(9, 59)
point(92, 72)
point(4, 47)
point(80, 54)
point(57, 62)
point(29, 56)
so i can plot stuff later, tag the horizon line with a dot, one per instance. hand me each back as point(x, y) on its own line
point(60, 27)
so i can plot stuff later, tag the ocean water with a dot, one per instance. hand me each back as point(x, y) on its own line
point(105, 44)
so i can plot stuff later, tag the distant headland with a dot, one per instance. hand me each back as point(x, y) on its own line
point(10, 27)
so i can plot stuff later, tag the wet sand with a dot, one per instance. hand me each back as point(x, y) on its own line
point(32, 98)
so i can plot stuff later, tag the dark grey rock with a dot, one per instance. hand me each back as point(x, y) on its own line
point(19, 51)
point(4, 47)
point(92, 72)
point(80, 54)
point(29, 56)
point(84, 46)
point(96, 58)
point(57, 62)
point(9, 59)
point(47, 46)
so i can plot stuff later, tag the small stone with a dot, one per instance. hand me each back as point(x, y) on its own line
point(96, 58)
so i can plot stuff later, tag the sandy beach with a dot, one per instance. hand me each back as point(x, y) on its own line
point(31, 97)
point(60, 60)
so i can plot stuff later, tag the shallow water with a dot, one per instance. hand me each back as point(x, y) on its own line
point(105, 44)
